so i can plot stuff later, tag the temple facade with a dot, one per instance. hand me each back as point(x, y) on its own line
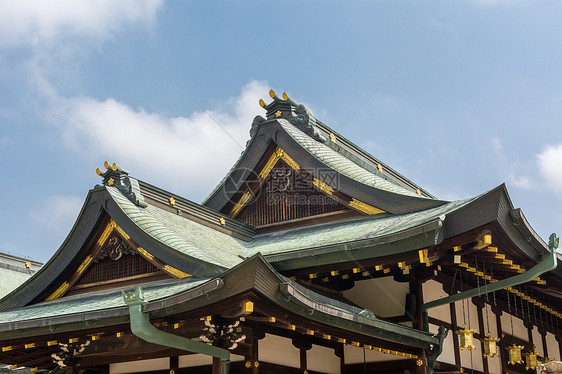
point(310, 256)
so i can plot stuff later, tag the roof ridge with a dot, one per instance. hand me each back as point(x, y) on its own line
point(368, 156)
point(195, 211)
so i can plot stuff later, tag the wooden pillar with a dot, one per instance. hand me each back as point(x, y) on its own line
point(502, 346)
point(303, 346)
point(174, 363)
point(423, 368)
point(416, 289)
point(304, 364)
point(217, 365)
point(453, 311)
point(544, 346)
point(251, 364)
point(479, 307)
point(340, 353)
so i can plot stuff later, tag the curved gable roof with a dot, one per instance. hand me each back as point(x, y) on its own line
point(373, 188)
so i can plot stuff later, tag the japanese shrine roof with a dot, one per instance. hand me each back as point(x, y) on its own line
point(211, 245)
point(95, 301)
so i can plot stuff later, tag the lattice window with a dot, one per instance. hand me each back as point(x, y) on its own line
point(116, 260)
point(287, 195)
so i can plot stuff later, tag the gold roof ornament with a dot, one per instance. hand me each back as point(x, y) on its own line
point(172, 201)
point(332, 137)
point(515, 354)
point(466, 339)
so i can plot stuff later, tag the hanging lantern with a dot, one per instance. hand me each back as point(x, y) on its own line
point(531, 360)
point(466, 338)
point(545, 360)
point(490, 346)
point(515, 354)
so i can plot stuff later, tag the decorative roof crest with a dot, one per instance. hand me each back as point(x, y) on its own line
point(116, 177)
point(297, 114)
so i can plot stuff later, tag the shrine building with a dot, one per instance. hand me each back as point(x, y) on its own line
point(310, 256)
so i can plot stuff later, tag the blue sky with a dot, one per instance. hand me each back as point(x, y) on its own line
point(473, 100)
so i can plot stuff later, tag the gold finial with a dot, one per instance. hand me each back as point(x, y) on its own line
point(98, 171)
point(262, 103)
point(418, 191)
point(114, 166)
point(222, 221)
point(272, 94)
point(278, 114)
point(106, 165)
point(379, 166)
point(172, 201)
point(285, 96)
point(28, 264)
point(111, 181)
point(332, 137)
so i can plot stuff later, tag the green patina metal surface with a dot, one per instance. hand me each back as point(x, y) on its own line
point(210, 245)
point(184, 235)
point(10, 280)
point(102, 300)
point(142, 328)
point(342, 164)
point(322, 235)
point(204, 243)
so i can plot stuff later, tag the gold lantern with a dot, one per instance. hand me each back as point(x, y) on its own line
point(466, 338)
point(490, 346)
point(515, 354)
point(531, 360)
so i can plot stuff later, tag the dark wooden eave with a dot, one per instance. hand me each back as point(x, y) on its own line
point(255, 276)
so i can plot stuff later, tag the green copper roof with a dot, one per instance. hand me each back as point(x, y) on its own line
point(94, 301)
point(341, 164)
point(184, 235)
point(331, 158)
point(10, 280)
point(351, 230)
point(210, 245)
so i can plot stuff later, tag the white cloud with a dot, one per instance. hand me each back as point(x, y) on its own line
point(58, 213)
point(26, 22)
point(186, 153)
point(550, 166)
point(520, 181)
